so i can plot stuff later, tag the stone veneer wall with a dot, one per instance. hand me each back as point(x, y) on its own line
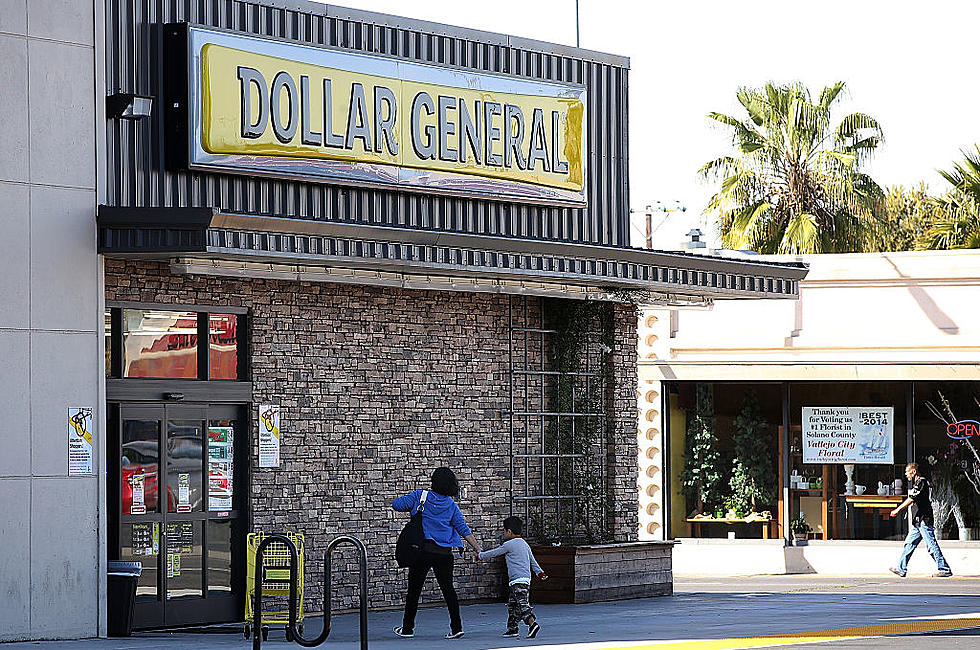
point(623, 472)
point(379, 386)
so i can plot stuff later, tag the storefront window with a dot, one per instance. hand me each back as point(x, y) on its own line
point(846, 451)
point(221, 464)
point(140, 460)
point(185, 576)
point(223, 346)
point(219, 557)
point(108, 342)
point(185, 488)
point(159, 344)
point(860, 429)
point(949, 462)
point(141, 543)
point(724, 459)
point(165, 344)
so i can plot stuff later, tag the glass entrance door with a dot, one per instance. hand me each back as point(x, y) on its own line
point(180, 510)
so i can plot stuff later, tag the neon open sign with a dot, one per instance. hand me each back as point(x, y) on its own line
point(963, 429)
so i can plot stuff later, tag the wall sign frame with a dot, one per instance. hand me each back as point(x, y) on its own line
point(849, 434)
point(259, 106)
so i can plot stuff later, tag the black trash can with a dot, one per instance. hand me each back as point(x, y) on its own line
point(121, 596)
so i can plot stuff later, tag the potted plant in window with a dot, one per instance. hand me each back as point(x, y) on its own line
point(800, 529)
point(702, 476)
point(753, 470)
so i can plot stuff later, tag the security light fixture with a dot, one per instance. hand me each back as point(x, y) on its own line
point(127, 106)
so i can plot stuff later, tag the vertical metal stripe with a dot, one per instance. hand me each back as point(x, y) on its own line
point(134, 152)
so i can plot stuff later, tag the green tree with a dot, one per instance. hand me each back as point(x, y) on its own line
point(753, 481)
point(956, 220)
point(901, 221)
point(701, 479)
point(794, 182)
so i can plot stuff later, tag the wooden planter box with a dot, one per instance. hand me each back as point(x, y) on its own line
point(586, 574)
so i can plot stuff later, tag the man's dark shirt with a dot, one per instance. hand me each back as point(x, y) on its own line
point(922, 506)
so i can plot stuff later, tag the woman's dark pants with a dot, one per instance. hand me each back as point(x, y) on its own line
point(442, 565)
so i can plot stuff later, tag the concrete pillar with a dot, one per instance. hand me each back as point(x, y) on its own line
point(651, 331)
point(51, 545)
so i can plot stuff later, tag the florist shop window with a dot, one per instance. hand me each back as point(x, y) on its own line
point(847, 454)
point(724, 460)
point(950, 455)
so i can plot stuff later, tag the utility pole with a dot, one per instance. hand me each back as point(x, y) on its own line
point(648, 212)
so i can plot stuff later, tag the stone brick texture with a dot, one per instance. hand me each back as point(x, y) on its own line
point(378, 387)
point(621, 404)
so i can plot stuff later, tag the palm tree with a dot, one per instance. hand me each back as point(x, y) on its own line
point(956, 223)
point(794, 183)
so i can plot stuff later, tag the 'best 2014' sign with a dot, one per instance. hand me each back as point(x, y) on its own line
point(848, 434)
point(258, 106)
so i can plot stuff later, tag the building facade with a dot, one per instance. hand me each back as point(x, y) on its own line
point(271, 263)
point(881, 345)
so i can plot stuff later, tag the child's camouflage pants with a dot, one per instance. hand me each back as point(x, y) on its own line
point(518, 607)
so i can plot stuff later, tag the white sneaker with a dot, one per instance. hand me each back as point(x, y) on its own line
point(405, 635)
point(454, 635)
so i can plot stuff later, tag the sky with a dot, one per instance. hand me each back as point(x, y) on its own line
point(908, 64)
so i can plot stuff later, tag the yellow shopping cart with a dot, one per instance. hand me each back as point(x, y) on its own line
point(275, 584)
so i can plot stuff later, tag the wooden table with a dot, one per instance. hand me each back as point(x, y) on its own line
point(879, 504)
point(881, 501)
point(767, 524)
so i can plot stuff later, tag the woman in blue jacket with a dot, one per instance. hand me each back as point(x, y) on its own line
point(443, 526)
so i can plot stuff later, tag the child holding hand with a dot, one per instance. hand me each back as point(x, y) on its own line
point(520, 563)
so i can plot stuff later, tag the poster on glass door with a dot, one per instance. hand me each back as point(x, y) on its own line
point(220, 467)
point(848, 434)
point(183, 492)
point(138, 503)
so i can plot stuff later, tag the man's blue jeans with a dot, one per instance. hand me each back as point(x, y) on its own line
point(916, 535)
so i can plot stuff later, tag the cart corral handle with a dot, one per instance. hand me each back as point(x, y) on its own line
point(327, 589)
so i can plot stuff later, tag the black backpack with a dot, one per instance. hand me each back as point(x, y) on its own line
point(409, 544)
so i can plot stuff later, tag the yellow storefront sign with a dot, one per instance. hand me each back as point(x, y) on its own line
point(261, 102)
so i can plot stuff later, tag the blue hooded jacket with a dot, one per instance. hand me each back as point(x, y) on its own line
point(442, 521)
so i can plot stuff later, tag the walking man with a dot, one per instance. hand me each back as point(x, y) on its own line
point(922, 524)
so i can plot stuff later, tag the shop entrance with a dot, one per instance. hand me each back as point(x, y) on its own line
point(177, 485)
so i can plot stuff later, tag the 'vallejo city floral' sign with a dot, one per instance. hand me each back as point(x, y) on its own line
point(848, 434)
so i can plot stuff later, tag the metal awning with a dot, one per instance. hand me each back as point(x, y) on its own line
point(207, 241)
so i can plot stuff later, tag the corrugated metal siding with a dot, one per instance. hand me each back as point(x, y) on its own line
point(135, 157)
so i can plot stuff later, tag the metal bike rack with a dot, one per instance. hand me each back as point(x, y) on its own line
point(327, 590)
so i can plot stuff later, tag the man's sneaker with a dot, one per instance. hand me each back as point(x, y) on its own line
point(897, 572)
point(942, 574)
point(533, 629)
point(400, 631)
point(455, 635)
point(511, 634)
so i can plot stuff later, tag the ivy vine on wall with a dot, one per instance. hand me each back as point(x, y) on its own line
point(578, 350)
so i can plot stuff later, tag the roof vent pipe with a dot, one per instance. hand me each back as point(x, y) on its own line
point(695, 244)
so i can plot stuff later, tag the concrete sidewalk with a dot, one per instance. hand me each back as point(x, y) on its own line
point(810, 583)
point(702, 609)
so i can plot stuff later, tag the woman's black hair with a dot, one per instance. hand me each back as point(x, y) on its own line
point(444, 482)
